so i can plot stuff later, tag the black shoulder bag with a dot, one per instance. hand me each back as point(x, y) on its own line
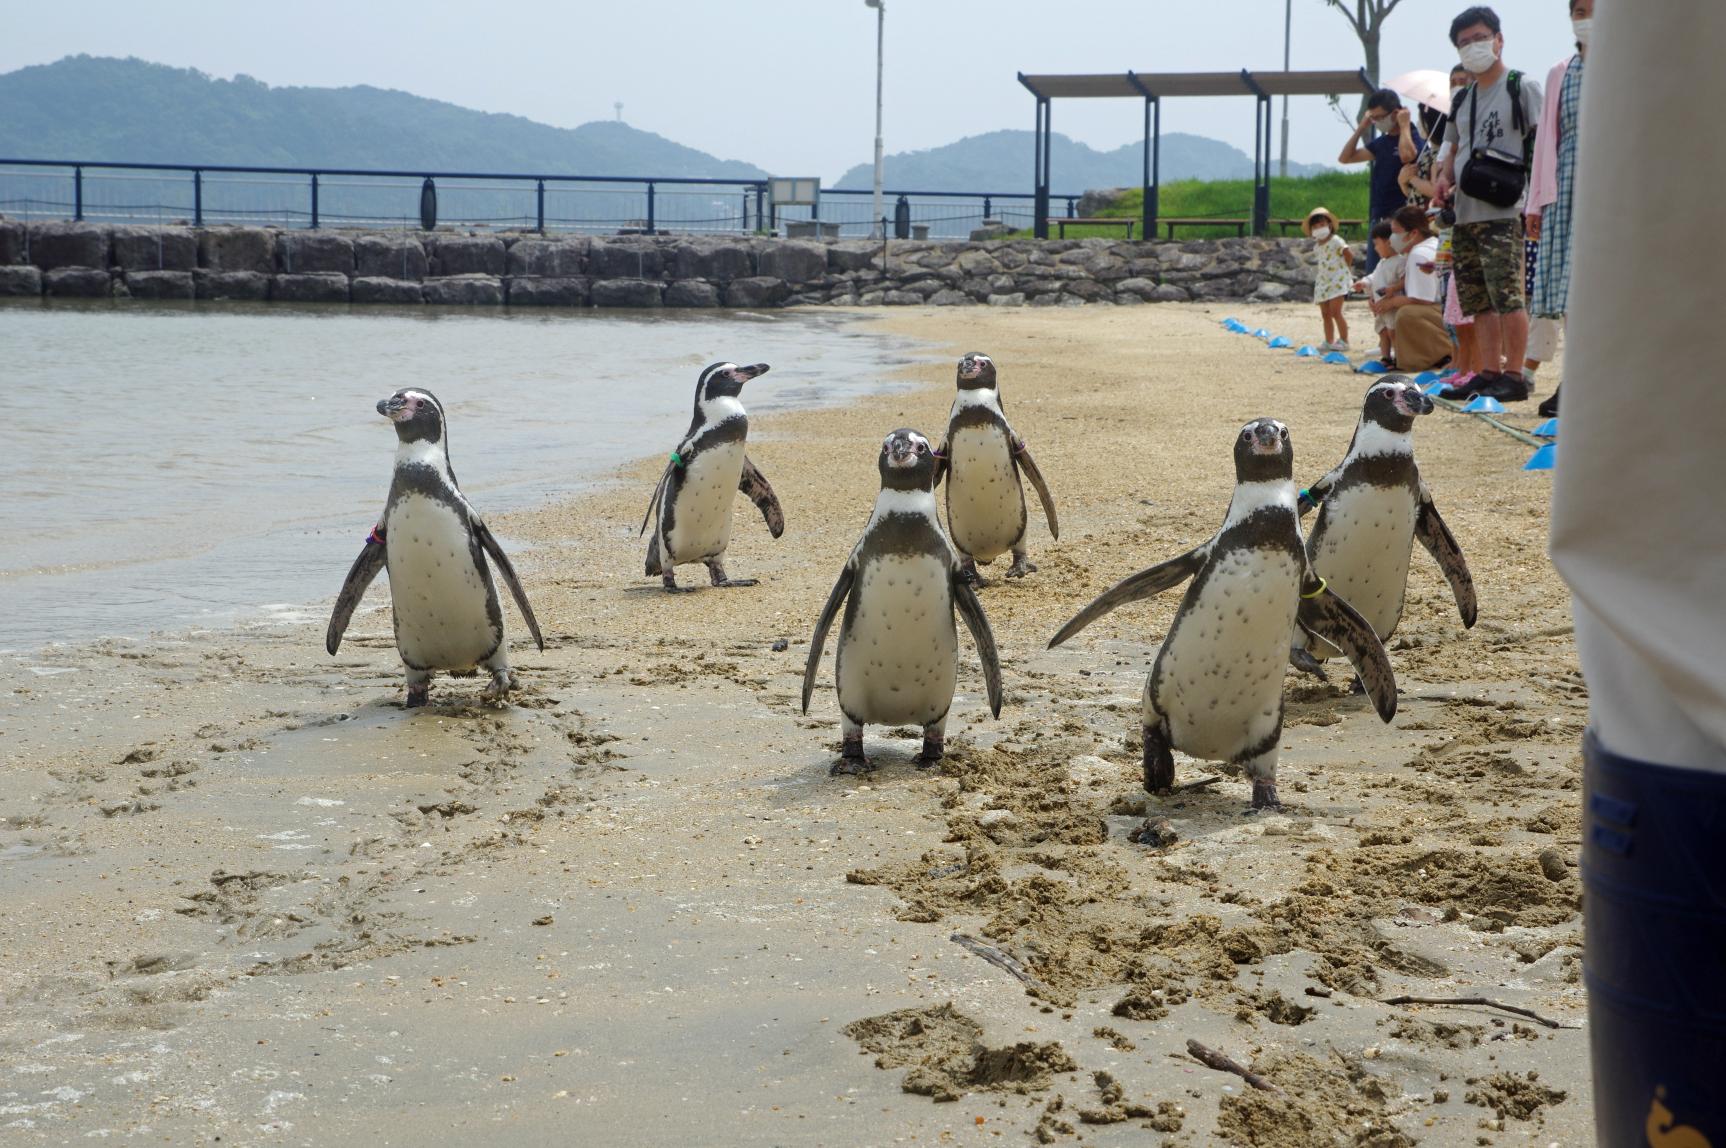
point(1493, 176)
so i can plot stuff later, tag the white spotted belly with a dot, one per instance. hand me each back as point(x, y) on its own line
point(701, 521)
point(1219, 676)
point(898, 657)
point(985, 502)
point(439, 596)
point(1364, 553)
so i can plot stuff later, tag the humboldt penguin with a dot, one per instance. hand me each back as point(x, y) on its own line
point(693, 497)
point(1371, 509)
point(1216, 688)
point(434, 545)
point(896, 661)
point(982, 459)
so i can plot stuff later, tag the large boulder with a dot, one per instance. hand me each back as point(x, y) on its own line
point(305, 252)
point(11, 243)
point(756, 291)
point(160, 285)
point(155, 249)
point(1169, 293)
point(318, 287)
point(468, 255)
point(466, 290)
point(625, 259)
point(1098, 200)
point(549, 291)
point(793, 261)
point(18, 280)
point(692, 293)
point(79, 283)
point(1007, 299)
point(389, 257)
point(69, 245)
point(948, 297)
point(852, 255)
point(252, 286)
point(548, 258)
point(237, 249)
point(714, 262)
point(627, 293)
point(382, 289)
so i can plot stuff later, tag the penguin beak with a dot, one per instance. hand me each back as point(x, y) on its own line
point(1266, 440)
point(744, 374)
point(901, 452)
point(1422, 403)
point(970, 368)
point(392, 407)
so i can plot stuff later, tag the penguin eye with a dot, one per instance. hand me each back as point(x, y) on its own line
point(1247, 435)
point(1285, 432)
point(922, 448)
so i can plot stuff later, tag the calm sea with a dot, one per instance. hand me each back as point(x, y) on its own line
point(173, 467)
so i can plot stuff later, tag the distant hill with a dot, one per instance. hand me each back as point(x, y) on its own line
point(87, 107)
point(1001, 161)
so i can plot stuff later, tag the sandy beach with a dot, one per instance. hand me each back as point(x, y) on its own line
point(251, 899)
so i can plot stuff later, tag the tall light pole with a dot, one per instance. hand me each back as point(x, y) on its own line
point(880, 7)
point(1288, 26)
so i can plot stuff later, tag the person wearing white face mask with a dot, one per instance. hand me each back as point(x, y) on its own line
point(1485, 176)
point(1333, 269)
point(1398, 143)
point(1552, 183)
point(1421, 340)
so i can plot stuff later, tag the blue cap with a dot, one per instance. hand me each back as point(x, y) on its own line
point(1543, 458)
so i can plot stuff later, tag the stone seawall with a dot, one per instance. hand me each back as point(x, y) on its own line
point(74, 260)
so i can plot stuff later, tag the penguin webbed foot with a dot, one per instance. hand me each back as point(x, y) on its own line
point(417, 696)
point(934, 749)
point(1159, 761)
point(1303, 661)
point(852, 760)
point(497, 691)
point(1265, 798)
point(669, 581)
point(1021, 567)
point(731, 583)
point(969, 573)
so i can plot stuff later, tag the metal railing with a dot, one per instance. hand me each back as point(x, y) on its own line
point(203, 194)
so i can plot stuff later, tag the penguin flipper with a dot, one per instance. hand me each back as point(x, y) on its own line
point(1315, 494)
point(817, 640)
point(940, 465)
point(1324, 615)
point(501, 560)
point(1134, 587)
point(1029, 465)
point(754, 484)
point(658, 493)
point(1441, 544)
point(978, 623)
point(365, 568)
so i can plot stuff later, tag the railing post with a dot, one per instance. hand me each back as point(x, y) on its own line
point(78, 194)
point(650, 228)
point(746, 211)
point(197, 199)
point(539, 205)
point(760, 201)
point(988, 208)
point(1071, 214)
point(314, 201)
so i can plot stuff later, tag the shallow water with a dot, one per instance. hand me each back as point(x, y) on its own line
point(175, 466)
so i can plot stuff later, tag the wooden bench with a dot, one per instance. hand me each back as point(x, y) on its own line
point(1063, 223)
point(1172, 222)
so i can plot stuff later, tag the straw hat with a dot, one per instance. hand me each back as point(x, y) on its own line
point(1306, 224)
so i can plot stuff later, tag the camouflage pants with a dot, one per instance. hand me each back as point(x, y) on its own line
point(1488, 262)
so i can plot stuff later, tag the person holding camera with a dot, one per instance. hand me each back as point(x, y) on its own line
point(1485, 177)
point(1397, 144)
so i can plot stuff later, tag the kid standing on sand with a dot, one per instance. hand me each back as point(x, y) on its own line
point(1335, 268)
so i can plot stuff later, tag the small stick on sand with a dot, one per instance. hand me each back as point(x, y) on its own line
point(1189, 786)
point(999, 958)
point(1529, 1013)
point(1211, 1058)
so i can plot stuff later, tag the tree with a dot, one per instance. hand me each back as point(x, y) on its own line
point(1367, 18)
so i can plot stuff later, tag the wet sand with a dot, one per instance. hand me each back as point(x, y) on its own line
point(249, 897)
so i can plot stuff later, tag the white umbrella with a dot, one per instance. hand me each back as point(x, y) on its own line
point(1429, 87)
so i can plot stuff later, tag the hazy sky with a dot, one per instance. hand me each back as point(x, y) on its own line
point(786, 84)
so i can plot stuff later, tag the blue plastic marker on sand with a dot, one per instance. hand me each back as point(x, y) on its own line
point(1483, 405)
point(1308, 352)
point(1436, 387)
point(1371, 367)
point(1261, 333)
point(1543, 458)
point(1337, 357)
point(1425, 377)
point(1282, 341)
point(1230, 321)
point(1547, 429)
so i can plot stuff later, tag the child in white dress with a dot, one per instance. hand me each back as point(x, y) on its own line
point(1335, 269)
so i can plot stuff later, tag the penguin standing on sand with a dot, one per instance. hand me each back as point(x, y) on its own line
point(982, 459)
point(1216, 688)
point(434, 544)
point(1371, 509)
point(897, 656)
point(694, 494)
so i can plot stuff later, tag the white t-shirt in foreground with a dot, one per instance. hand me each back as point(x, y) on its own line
point(1417, 284)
